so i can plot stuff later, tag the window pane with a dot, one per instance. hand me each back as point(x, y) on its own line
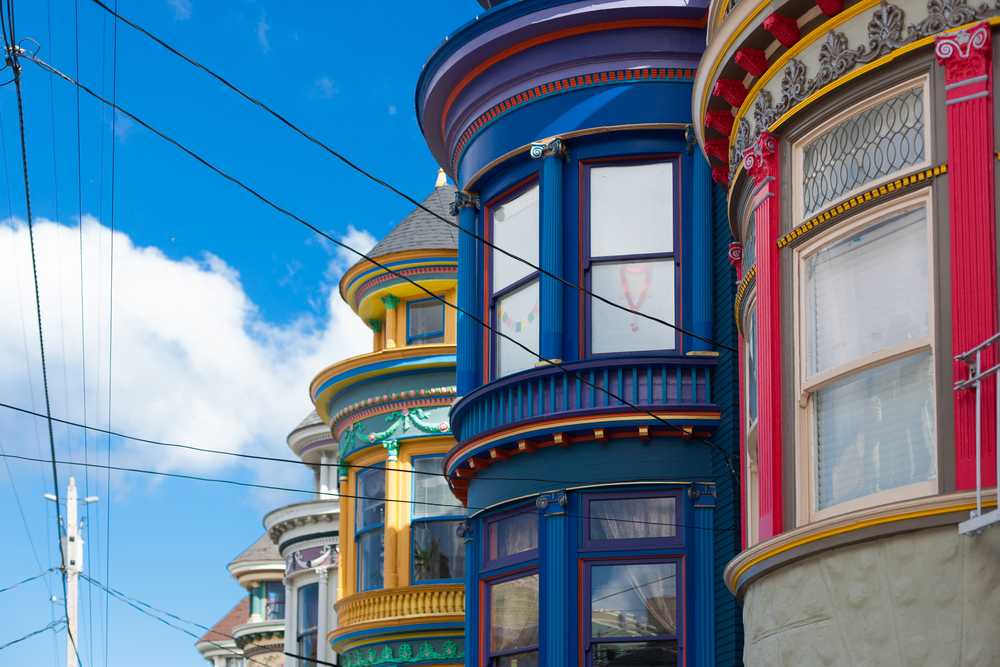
point(631, 210)
point(429, 340)
point(876, 142)
point(513, 535)
point(633, 600)
point(644, 287)
point(308, 608)
point(307, 649)
point(433, 488)
point(635, 654)
point(517, 317)
point(438, 552)
point(371, 555)
point(425, 317)
point(275, 597)
point(846, 317)
point(876, 431)
point(751, 348)
point(515, 229)
point(632, 518)
point(514, 613)
point(371, 498)
point(525, 659)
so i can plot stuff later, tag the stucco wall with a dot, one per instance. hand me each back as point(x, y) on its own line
point(926, 598)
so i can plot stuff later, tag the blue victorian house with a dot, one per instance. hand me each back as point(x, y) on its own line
point(596, 421)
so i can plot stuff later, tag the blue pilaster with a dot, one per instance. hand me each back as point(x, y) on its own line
point(466, 531)
point(552, 155)
point(704, 566)
point(701, 263)
point(552, 569)
point(466, 206)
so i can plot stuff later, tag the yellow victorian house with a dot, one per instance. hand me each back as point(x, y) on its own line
point(400, 596)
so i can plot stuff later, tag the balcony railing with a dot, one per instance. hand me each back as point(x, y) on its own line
point(396, 603)
point(549, 392)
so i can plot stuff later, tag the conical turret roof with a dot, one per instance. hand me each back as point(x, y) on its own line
point(420, 230)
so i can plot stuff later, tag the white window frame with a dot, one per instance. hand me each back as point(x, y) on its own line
point(798, 205)
point(750, 430)
point(805, 388)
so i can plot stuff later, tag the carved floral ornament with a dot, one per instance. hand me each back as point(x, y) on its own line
point(836, 58)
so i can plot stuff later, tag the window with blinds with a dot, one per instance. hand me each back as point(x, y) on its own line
point(868, 361)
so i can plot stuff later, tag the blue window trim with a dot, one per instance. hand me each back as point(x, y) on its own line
point(495, 563)
point(486, 632)
point(367, 529)
point(586, 166)
point(588, 641)
point(410, 338)
point(509, 195)
point(457, 518)
point(631, 544)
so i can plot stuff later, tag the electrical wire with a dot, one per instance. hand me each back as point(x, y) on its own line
point(335, 496)
point(375, 262)
point(258, 457)
point(24, 520)
point(370, 176)
point(51, 569)
point(32, 634)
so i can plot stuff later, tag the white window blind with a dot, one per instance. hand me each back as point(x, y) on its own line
point(875, 431)
point(867, 292)
point(517, 317)
point(642, 287)
point(632, 210)
point(515, 229)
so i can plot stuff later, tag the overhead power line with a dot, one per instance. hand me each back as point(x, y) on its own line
point(445, 302)
point(377, 180)
point(51, 569)
point(51, 625)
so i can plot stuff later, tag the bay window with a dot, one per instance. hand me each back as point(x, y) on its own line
point(438, 552)
point(512, 537)
point(308, 619)
point(513, 285)
point(369, 530)
point(513, 621)
point(424, 322)
point(866, 364)
point(632, 215)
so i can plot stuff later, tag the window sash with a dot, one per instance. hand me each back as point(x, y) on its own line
point(490, 643)
point(429, 566)
point(673, 537)
point(520, 213)
point(413, 318)
point(491, 545)
point(432, 489)
point(508, 357)
point(369, 509)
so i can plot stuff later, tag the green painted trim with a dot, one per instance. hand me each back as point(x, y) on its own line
point(449, 651)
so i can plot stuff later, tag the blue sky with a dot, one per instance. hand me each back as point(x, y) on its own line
point(223, 311)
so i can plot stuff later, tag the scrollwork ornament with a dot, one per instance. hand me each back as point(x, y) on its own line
point(554, 148)
point(739, 147)
point(463, 199)
point(962, 42)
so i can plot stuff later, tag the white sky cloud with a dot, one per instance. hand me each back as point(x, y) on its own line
point(262, 28)
point(182, 9)
point(325, 88)
point(193, 361)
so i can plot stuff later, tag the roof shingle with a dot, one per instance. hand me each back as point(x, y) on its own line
point(420, 230)
point(262, 549)
point(223, 630)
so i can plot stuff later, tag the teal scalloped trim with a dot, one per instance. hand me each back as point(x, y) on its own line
point(449, 651)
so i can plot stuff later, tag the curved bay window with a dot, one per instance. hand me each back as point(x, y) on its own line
point(513, 620)
point(513, 285)
point(438, 551)
point(369, 528)
point(307, 622)
point(632, 603)
point(867, 359)
point(632, 215)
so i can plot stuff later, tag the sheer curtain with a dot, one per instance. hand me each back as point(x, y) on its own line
point(633, 518)
point(514, 613)
point(514, 535)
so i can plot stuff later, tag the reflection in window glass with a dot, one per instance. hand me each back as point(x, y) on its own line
point(632, 518)
point(631, 210)
point(430, 487)
point(307, 621)
point(425, 322)
point(515, 229)
point(876, 431)
point(274, 598)
point(371, 498)
point(514, 614)
point(371, 556)
point(369, 532)
point(751, 348)
point(513, 535)
point(845, 317)
point(642, 287)
point(636, 600)
point(635, 654)
point(517, 317)
point(438, 551)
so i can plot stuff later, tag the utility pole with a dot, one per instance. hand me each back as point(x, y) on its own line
point(72, 566)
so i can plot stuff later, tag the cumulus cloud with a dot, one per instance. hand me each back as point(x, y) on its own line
point(262, 28)
point(324, 88)
point(193, 360)
point(182, 9)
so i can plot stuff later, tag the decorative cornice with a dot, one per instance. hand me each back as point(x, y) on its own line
point(561, 86)
point(462, 200)
point(400, 274)
point(391, 401)
point(552, 148)
point(404, 655)
point(874, 193)
point(279, 529)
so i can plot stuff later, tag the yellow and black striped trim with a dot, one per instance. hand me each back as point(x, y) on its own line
point(740, 292)
point(874, 193)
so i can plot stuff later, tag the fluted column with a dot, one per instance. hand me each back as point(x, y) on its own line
point(324, 476)
point(322, 645)
point(552, 571)
point(761, 162)
point(389, 564)
point(291, 611)
point(465, 206)
point(342, 534)
point(967, 58)
point(703, 306)
point(465, 531)
point(704, 573)
point(390, 302)
point(376, 327)
point(552, 155)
